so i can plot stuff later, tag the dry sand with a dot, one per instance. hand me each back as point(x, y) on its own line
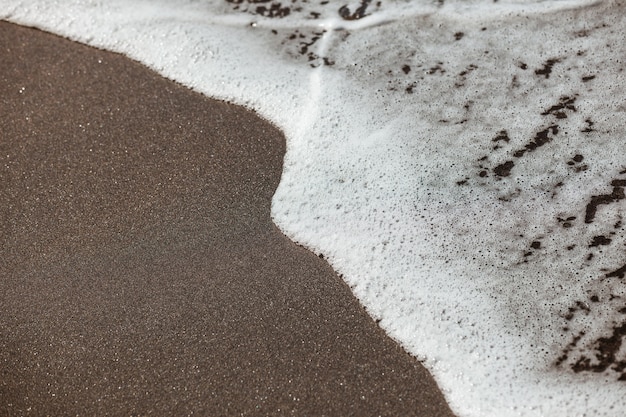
point(140, 272)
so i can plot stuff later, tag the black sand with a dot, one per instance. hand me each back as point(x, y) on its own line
point(140, 273)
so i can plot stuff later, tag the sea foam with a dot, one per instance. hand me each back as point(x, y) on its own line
point(460, 163)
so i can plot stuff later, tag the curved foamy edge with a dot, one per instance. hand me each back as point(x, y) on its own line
point(214, 60)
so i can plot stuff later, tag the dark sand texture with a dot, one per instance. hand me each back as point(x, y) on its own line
point(140, 273)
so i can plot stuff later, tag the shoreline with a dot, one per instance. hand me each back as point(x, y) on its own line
point(118, 180)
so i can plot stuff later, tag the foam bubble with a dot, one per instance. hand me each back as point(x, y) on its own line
point(459, 163)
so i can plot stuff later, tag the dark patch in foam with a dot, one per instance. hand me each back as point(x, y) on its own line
point(502, 135)
point(546, 70)
point(304, 46)
point(605, 354)
point(576, 164)
point(540, 139)
point(504, 169)
point(616, 195)
point(359, 12)
point(565, 103)
point(463, 75)
point(272, 10)
point(436, 69)
point(599, 241)
point(567, 222)
point(599, 352)
point(618, 273)
point(589, 127)
point(299, 44)
point(569, 347)
point(578, 306)
point(514, 82)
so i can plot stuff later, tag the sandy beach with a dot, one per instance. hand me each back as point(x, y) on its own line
point(141, 272)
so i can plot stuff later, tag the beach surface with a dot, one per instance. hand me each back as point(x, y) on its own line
point(141, 272)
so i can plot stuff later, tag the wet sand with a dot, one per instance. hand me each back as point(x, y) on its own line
point(140, 270)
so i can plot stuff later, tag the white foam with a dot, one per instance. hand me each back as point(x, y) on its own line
point(477, 274)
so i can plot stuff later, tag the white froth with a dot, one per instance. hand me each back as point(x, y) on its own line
point(461, 164)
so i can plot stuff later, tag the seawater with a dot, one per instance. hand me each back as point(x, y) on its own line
point(461, 164)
